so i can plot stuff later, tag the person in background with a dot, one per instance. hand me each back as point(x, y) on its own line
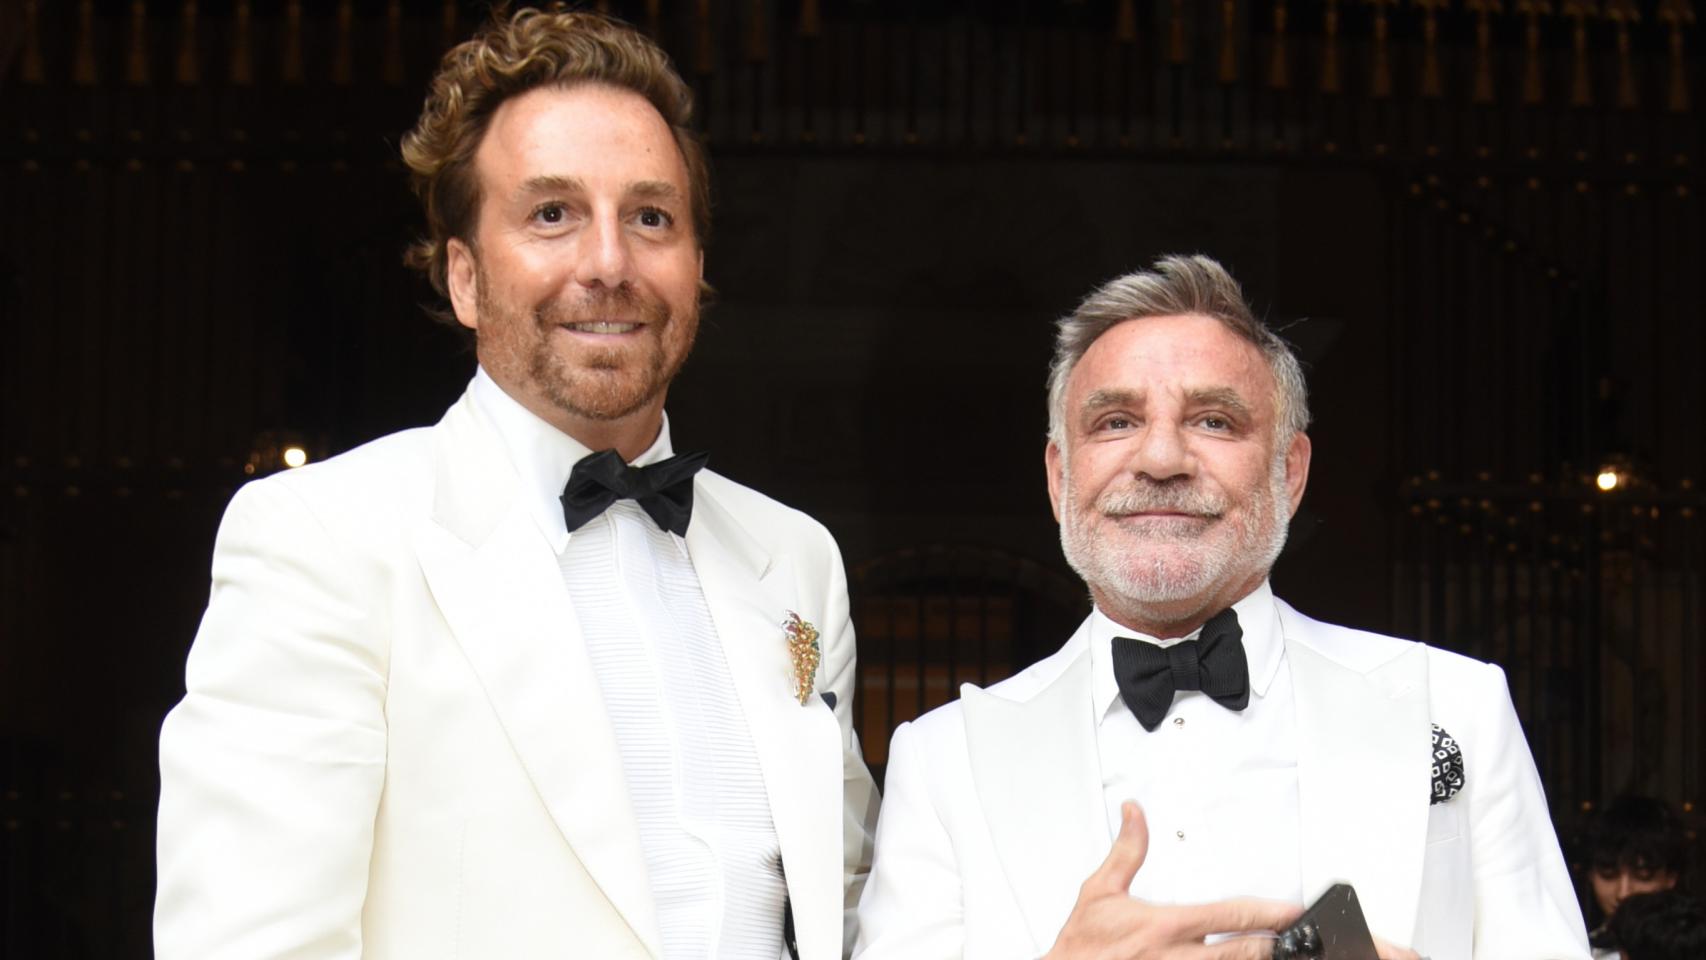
point(1635, 845)
point(1666, 925)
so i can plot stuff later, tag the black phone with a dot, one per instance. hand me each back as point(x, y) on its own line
point(1332, 928)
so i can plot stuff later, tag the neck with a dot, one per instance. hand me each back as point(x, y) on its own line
point(1167, 620)
point(629, 436)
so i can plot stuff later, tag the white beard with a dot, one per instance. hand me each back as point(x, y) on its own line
point(1173, 560)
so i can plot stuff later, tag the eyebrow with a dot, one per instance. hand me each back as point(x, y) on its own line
point(550, 184)
point(1218, 397)
point(654, 190)
point(1204, 397)
point(1103, 399)
point(640, 190)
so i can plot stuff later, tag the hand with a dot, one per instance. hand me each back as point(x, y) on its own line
point(1108, 923)
point(1387, 951)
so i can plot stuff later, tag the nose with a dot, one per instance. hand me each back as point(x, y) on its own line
point(1161, 452)
point(603, 257)
point(1623, 887)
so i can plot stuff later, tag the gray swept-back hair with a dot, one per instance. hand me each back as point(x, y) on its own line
point(1174, 286)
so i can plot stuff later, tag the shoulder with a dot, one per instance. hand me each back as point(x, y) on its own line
point(936, 739)
point(945, 725)
point(1365, 650)
point(1030, 681)
point(399, 459)
point(750, 504)
point(768, 519)
point(370, 485)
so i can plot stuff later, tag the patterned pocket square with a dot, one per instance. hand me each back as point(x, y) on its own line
point(1448, 766)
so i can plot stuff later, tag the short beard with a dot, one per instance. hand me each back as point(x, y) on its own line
point(596, 390)
point(594, 386)
point(1139, 578)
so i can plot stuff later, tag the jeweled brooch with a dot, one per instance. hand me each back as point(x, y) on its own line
point(803, 650)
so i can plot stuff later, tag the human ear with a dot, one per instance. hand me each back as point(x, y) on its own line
point(1053, 463)
point(461, 275)
point(1297, 468)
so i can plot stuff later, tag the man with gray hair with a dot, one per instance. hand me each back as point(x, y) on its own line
point(1208, 757)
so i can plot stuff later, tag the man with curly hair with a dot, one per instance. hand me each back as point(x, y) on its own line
point(1635, 845)
point(526, 683)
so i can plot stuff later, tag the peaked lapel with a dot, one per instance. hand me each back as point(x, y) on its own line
point(1039, 782)
point(1362, 775)
point(496, 581)
point(749, 593)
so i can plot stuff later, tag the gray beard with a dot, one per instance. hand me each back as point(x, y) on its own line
point(1141, 577)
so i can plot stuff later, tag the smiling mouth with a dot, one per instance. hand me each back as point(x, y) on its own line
point(1162, 516)
point(603, 326)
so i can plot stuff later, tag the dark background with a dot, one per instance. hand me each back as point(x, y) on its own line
point(1480, 224)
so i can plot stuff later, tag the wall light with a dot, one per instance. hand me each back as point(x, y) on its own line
point(275, 450)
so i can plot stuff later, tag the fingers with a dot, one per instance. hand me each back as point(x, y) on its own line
point(1387, 951)
point(1238, 948)
point(1130, 847)
point(1261, 947)
point(1244, 915)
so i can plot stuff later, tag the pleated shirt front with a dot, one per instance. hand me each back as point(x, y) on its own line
point(713, 859)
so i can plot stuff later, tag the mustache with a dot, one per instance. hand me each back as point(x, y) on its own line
point(619, 304)
point(1144, 496)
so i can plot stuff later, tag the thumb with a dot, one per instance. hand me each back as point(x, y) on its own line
point(1130, 847)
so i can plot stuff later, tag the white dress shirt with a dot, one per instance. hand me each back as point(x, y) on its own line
point(1218, 788)
point(692, 774)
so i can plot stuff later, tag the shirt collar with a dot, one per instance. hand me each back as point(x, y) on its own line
point(1264, 647)
point(544, 455)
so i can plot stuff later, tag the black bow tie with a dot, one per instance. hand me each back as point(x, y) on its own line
point(1214, 663)
point(664, 490)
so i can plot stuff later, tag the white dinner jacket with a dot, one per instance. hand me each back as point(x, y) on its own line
point(393, 745)
point(993, 812)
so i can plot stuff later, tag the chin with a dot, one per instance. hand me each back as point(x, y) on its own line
point(612, 405)
point(596, 388)
point(1164, 590)
point(1173, 573)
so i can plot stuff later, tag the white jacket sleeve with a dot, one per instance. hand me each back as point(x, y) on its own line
point(1525, 906)
point(272, 765)
point(912, 905)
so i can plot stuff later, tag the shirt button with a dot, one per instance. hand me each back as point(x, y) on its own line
point(1178, 721)
point(1180, 834)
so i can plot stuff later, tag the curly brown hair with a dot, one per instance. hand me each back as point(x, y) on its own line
point(511, 55)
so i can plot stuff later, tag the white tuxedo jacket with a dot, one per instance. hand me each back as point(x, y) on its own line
point(393, 744)
point(993, 809)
